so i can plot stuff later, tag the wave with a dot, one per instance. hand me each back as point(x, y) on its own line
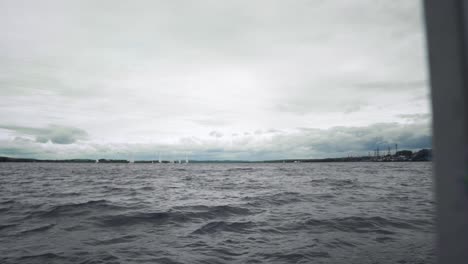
point(222, 226)
point(6, 226)
point(43, 256)
point(299, 257)
point(71, 209)
point(38, 229)
point(204, 211)
point(275, 199)
point(147, 188)
point(116, 240)
point(384, 239)
point(166, 260)
point(358, 224)
point(5, 209)
point(179, 214)
point(325, 196)
point(7, 201)
point(113, 189)
point(241, 169)
point(343, 183)
point(339, 243)
point(319, 181)
point(65, 194)
point(135, 218)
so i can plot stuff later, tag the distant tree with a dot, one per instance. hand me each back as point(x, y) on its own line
point(406, 153)
point(422, 155)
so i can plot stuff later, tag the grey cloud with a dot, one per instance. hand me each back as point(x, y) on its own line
point(258, 132)
point(353, 108)
point(302, 143)
point(53, 133)
point(334, 142)
point(169, 68)
point(216, 134)
point(415, 117)
point(273, 131)
point(345, 100)
point(394, 85)
point(22, 139)
point(20, 151)
point(342, 140)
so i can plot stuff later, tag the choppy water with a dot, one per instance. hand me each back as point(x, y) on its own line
point(216, 213)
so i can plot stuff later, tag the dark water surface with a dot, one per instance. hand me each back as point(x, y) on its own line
point(216, 213)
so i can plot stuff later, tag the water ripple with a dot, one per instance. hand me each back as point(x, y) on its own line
point(216, 213)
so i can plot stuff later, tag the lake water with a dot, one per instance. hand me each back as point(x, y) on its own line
point(217, 213)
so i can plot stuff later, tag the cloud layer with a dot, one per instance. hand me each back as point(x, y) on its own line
point(53, 134)
point(258, 145)
point(110, 74)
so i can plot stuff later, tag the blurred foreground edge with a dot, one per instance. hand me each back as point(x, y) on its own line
point(447, 39)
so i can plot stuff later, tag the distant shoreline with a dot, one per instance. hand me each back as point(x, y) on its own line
point(401, 156)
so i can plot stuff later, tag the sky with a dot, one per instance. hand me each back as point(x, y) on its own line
point(208, 79)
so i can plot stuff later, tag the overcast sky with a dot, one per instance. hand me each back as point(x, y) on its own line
point(211, 79)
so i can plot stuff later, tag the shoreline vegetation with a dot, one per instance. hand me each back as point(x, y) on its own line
point(399, 156)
